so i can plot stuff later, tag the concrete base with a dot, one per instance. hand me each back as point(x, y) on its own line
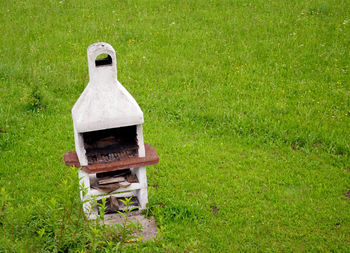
point(138, 190)
point(149, 230)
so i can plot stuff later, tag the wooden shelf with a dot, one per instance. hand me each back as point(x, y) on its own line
point(71, 159)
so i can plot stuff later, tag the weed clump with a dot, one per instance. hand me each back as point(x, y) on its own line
point(34, 99)
point(60, 225)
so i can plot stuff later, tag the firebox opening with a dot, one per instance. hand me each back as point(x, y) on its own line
point(110, 144)
point(103, 60)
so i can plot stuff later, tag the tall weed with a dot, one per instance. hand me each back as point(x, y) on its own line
point(60, 225)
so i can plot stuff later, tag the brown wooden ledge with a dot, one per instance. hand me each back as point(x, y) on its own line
point(71, 159)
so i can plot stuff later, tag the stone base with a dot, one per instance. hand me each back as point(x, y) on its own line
point(149, 225)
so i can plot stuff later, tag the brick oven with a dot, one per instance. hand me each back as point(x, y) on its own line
point(109, 146)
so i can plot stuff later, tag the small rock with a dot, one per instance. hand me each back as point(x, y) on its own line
point(347, 194)
point(214, 209)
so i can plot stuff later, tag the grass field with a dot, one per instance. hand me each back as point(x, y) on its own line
point(246, 102)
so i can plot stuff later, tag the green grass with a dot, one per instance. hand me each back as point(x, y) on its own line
point(247, 104)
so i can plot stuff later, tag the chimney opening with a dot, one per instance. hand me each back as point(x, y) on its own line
point(103, 60)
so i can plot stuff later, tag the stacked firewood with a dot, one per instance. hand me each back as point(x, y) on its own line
point(111, 181)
